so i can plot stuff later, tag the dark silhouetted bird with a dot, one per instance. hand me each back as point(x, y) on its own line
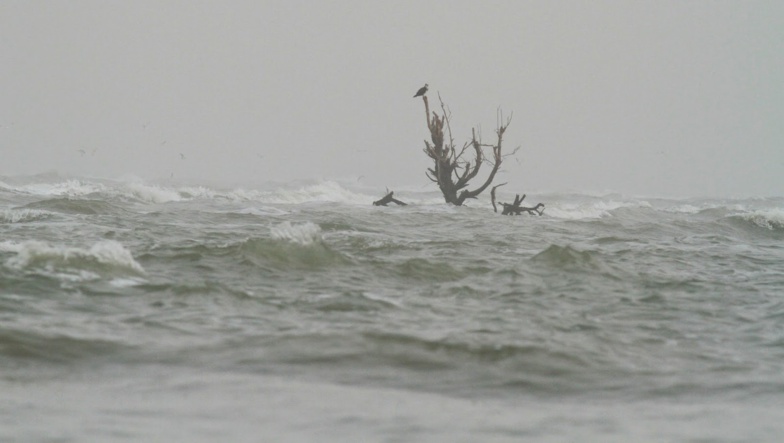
point(421, 91)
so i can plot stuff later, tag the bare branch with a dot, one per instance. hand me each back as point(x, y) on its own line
point(492, 195)
point(453, 168)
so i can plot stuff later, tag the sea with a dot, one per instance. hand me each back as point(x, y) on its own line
point(136, 310)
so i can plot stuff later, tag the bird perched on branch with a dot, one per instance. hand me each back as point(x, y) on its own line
point(421, 91)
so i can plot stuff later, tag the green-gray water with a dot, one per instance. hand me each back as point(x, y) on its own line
point(140, 311)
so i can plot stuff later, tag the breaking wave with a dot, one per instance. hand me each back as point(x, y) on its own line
point(137, 189)
point(23, 215)
point(594, 209)
point(302, 234)
point(152, 193)
point(70, 205)
point(102, 258)
point(292, 245)
point(771, 219)
point(328, 191)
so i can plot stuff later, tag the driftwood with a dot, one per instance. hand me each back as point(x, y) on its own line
point(387, 199)
point(515, 208)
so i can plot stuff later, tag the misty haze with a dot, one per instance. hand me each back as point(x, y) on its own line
point(190, 249)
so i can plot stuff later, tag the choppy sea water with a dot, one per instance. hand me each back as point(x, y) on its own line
point(143, 311)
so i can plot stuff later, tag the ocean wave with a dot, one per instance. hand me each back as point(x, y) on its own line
point(591, 209)
point(70, 205)
point(7, 187)
point(771, 219)
point(292, 245)
point(431, 363)
point(328, 191)
point(23, 215)
point(102, 258)
point(261, 210)
point(566, 257)
point(152, 193)
point(303, 234)
point(27, 345)
point(135, 188)
point(351, 301)
point(66, 188)
point(427, 270)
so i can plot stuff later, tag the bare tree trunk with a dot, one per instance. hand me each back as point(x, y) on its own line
point(451, 171)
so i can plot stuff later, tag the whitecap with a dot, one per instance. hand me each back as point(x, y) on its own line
point(684, 209)
point(68, 188)
point(22, 215)
point(262, 210)
point(126, 282)
point(107, 252)
point(242, 194)
point(592, 209)
point(328, 191)
point(772, 219)
point(197, 192)
point(303, 234)
point(152, 193)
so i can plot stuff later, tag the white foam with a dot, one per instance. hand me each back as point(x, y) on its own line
point(152, 193)
point(126, 282)
point(263, 210)
point(328, 191)
point(107, 252)
point(684, 209)
point(766, 218)
point(303, 234)
point(68, 188)
point(197, 192)
point(22, 215)
point(589, 210)
point(241, 194)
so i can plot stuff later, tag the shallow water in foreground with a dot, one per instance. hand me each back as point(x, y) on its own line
point(136, 311)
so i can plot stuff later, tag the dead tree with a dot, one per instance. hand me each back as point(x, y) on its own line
point(388, 199)
point(515, 208)
point(451, 171)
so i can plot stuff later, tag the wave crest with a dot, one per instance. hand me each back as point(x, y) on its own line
point(591, 209)
point(304, 234)
point(292, 245)
point(772, 219)
point(102, 257)
point(568, 257)
point(153, 194)
point(23, 215)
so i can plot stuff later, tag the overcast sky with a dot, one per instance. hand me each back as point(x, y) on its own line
point(657, 98)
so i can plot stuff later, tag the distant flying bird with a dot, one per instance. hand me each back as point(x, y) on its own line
point(421, 91)
point(182, 156)
point(82, 151)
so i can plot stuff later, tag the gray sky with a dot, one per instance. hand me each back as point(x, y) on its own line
point(658, 98)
